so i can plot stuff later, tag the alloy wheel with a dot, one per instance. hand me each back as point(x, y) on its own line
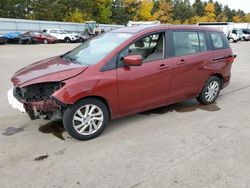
point(88, 119)
point(212, 91)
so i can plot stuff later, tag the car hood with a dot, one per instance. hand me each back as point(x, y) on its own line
point(53, 69)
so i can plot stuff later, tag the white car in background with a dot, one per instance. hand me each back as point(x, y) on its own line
point(61, 35)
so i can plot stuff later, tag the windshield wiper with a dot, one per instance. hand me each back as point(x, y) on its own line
point(68, 58)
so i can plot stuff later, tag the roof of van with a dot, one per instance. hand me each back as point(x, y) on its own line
point(140, 28)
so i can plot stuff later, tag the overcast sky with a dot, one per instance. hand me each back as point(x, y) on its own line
point(235, 4)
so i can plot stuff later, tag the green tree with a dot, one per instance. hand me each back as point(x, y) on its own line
point(124, 10)
point(119, 15)
point(75, 16)
point(240, 13)
point(15, 8)
point(182, 11)
point(218, 8)
point(198, 8)
point(227, 13)
point(240, 16)
point(145, 11)
point(164, 13)
point(131, 8)
point(247, 17)
point(47, 10)
point(101, 10)
point(210, 12)
point(156, 6)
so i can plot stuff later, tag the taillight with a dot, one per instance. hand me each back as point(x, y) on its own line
point(230, 59)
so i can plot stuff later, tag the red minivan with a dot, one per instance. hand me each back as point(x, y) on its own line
point(122, 72)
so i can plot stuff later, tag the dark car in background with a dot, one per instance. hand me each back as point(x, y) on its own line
point(246, 34)
point(2, 39)
point(19, 38)
point(81, 36)
point(40, 37)
point(25, 39)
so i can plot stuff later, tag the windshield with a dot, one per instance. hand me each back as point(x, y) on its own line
point(92, 51)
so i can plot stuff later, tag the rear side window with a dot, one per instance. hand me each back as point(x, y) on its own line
point(218, 41)
point(189, 42)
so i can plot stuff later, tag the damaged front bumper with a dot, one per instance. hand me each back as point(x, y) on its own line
point(47, 108)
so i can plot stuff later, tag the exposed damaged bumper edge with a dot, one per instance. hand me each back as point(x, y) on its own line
point(14, 102)
point(48, 108)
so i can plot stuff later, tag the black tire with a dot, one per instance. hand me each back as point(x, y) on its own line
point(81, 40)
point(20, 42)
point(45, 41)
point(231, 40)
point(202, 97)
point(67, 40)
point(70, 112)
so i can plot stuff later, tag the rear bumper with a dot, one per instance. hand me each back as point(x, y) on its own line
point(226, 81)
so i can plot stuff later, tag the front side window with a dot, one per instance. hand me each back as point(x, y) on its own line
point(151, 48)
point(93, 51)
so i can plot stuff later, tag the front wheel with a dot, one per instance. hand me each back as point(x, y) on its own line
point(45, 41)
point(210, 91)
point(86, 119)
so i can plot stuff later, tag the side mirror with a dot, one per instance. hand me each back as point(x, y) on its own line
point(132, 60)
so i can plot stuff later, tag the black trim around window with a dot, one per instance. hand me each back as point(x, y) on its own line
point(110, 65)
point(169, 50)
point(143, 36)
point(113, 62)
point(223, 38)
point(171, 40)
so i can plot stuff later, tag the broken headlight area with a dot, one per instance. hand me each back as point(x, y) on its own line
point(38, 101)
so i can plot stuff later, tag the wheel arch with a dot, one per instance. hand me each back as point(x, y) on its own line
point(66, 38)
point(220, 76)
point(102, 99)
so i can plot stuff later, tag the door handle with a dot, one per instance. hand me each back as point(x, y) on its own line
point(163, 66)
point(181, 62)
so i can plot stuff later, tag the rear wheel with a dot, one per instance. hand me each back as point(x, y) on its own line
point(81, 40)
point(231, 40)
point(86, 119)
point(210, 91)
point(67, 40)
point(20, 41)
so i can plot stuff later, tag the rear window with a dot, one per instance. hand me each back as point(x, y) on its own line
point(218, 41)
